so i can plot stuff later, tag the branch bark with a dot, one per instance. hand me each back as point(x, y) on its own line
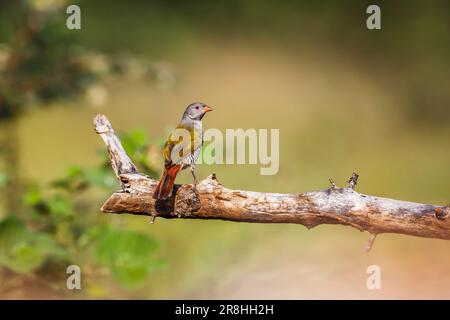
point(211, 200)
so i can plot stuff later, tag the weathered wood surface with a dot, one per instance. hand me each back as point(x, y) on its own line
point(210, 200)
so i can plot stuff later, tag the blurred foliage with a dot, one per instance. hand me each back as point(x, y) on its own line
point(23, 250)
point(410, 48)
point(41, 60)
point(3, 179)
point(59, 225)
point(56, 224)
point(128, 255)
point(136, 143)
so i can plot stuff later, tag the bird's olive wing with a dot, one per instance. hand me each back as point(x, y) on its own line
point(181, 144)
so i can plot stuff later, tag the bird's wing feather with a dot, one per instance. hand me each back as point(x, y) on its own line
point(182, 143)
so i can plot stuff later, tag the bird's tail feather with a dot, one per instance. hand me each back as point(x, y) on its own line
point(165, 185)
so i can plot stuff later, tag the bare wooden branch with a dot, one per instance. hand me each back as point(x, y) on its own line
point(210, 200)
point(120, 161)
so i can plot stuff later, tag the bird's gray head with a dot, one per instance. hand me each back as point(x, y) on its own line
point(196, 111)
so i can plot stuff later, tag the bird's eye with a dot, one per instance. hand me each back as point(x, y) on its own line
point(197, 107)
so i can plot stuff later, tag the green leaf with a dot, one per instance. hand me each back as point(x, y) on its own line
point(74, 172)
point(32, 197)
point(134, 141)
point(128, 256)
point(102, 177)
point(139, 137)
point(73, 180)
point(91, 234)
point(3, 179)
point(60, 206)
point(22, 250)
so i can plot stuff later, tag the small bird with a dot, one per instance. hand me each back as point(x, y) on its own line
point(182, 148)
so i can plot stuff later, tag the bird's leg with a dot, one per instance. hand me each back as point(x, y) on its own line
point(193, 175)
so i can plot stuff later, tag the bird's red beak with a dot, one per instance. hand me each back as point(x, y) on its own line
point(207, 109)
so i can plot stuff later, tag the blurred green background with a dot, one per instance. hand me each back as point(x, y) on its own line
point(345, 99)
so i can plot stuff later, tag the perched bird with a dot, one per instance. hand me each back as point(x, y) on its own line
point(182, 148)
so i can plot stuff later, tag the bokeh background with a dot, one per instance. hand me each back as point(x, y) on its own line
point(345, 99)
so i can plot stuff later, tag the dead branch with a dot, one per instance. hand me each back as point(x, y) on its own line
point(211, 200)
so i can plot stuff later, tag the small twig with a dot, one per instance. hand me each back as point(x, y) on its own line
point(370, 242)
point(333, 185)
point(353, 180)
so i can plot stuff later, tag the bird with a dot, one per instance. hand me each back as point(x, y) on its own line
point(182, 148)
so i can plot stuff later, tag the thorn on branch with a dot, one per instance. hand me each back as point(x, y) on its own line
point(333, 185)
point(353, 180)
point(310, 225)
point(370, 242)
point(213, 177)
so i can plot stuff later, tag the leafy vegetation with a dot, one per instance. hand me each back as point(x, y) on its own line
point(47, 227)
point(60, 225)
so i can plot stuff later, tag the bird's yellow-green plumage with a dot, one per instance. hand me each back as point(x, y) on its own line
point(184, 140)
point(182, 148)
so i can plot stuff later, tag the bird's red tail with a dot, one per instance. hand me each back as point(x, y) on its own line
point(165, 185)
